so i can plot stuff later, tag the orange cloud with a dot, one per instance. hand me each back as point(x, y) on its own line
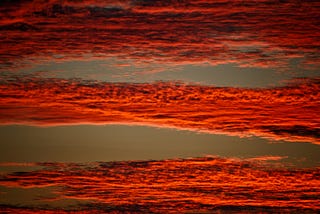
point(266, 33)
point(284, 113)
point(267, 158)
point(181, 185)
point(17, 164)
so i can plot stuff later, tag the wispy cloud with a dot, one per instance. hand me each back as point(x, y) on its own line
point(13, 164)
point(283, 113)
point(267, 158)
point(264, 33)
point(182, 185)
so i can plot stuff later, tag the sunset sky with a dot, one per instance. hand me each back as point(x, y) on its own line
point(165, 106)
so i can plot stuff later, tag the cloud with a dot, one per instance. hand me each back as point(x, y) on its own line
point(181, 184)
point(285, 113)
point(17, 164)
point(264, 33)
point(267, 158)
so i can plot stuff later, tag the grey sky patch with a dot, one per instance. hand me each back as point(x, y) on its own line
point(86, 143)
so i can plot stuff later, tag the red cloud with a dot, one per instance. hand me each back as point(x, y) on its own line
point(284, 113)
point(264, 33)
point(183, 185)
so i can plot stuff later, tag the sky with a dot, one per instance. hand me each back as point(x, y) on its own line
point(150, 92)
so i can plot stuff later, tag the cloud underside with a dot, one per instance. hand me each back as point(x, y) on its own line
point(284, 113)
point(180, 185)
point(265, 33)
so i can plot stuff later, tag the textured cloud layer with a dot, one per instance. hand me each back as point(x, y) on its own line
point(264, 33)
point(177, 186)
point(289, 113)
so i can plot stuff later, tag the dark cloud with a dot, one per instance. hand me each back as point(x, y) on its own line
point(293, 130)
